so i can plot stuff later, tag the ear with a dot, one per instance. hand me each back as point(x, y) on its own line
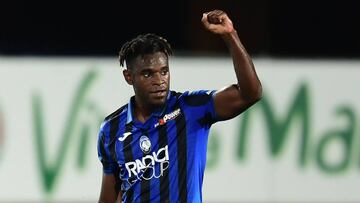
point(127, 76)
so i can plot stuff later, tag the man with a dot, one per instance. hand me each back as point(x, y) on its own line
point(153, 149)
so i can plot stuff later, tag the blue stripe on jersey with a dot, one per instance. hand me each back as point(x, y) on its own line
point(120, 154)
point(102, 153)
point(136, 194)
point(110, 167)
point(114, 131)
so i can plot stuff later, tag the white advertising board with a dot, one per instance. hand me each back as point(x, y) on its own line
point(299, 144)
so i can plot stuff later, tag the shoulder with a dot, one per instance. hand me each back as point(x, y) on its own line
point(116, 113)
point(197, 98)
point(199, 106)
point(113, 116)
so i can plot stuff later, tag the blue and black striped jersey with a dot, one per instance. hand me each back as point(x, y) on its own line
point(163, 159)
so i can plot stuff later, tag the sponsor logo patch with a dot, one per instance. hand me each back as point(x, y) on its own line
point(144, 168)
point(168, 117)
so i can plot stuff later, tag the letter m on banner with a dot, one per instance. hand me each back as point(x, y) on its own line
point(278, 127)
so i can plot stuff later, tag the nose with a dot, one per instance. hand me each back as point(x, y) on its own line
point(158, 79)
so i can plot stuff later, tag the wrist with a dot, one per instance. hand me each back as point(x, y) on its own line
point(230, 36)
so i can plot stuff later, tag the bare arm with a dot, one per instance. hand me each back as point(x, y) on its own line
point(233, 100)
point(108, 193)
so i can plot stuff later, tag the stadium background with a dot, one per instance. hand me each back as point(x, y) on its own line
point(59, 77)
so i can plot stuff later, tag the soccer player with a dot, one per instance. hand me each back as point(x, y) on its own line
point(153, 149)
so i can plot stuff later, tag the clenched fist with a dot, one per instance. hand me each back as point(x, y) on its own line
point(218, 22)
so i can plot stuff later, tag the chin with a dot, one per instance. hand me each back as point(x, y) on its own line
point(157, 102)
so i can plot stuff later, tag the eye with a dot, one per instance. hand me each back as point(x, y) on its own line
point(164, 72)
point(146, 74)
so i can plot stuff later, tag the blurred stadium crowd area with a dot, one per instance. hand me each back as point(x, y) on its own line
point(267, 28)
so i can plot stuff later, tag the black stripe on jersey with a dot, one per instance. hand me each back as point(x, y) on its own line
point(197, 100)
point(206, 120)
point(114, 128)
point(116, 113)
point(128, 157)
point(145, 184)
point(164, 179)
point(181, 156)
point(113, 117)
point(105, 158)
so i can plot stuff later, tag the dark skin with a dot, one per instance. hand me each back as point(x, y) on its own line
point(150, 78)
point(149, 75)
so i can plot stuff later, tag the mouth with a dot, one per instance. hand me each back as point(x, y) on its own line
point(159, 93)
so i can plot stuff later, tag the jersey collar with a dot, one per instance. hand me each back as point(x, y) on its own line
point(156, 113)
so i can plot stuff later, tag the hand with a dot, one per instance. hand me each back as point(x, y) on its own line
point(217, 22)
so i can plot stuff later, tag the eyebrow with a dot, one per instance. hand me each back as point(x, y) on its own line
point(152, 70)
point(146, 70)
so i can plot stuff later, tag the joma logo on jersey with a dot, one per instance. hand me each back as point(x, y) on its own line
point(147, 164)
point(167, 117)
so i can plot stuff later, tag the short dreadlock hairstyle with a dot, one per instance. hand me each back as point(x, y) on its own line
point(142, 45)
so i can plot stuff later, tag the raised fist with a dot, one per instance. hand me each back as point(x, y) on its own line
point(218, 22)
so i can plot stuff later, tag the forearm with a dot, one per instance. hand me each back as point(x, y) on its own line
point(108, 193)
point(248, 82)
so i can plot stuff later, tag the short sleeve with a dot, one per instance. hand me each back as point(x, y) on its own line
point(201, 105)
point(109, 165)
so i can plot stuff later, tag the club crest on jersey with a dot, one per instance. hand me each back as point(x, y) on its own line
point(168, 117)
point(145, 144)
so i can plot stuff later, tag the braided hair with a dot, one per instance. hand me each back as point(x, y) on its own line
point(141, 45)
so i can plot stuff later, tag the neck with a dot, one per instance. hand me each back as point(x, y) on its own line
point(141, 112)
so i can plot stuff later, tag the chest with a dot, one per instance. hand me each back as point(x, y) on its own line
point(152, 148)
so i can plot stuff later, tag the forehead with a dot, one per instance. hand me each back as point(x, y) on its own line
point(155, 60)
